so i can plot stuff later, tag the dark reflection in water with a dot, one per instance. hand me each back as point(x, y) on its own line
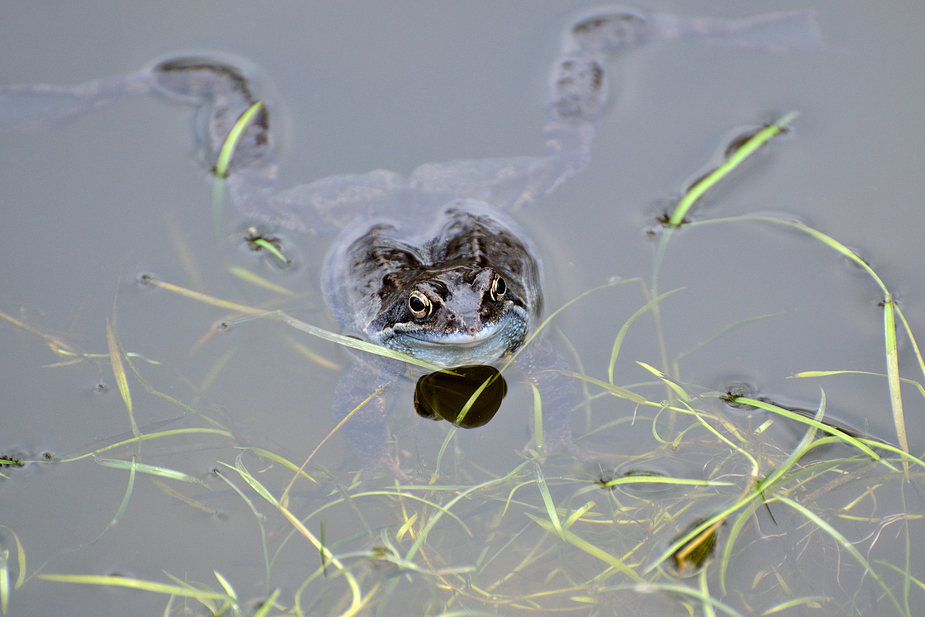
point(446, 394)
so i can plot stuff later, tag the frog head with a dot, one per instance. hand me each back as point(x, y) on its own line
point(453, 315)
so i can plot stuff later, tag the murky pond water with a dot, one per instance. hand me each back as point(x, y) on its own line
point(480, 528)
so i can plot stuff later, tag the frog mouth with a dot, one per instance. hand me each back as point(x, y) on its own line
point(456, 348)
point(456, 339)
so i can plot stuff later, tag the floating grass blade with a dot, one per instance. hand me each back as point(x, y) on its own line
point(225, 585)
point(816, 424)
point(122, 506)
point(892, 371)
point(254, 279)
point(223, 161)
point(752, 145)
point(547, 499)
point(708, 610)
point(844, 543)
point(610, 388)
point(4, 581)
point(748, 148)
point(618, 342)
point(134, 583)
point(148, 437)
point(580, 543)
point(814, 602)
point(538, 438)
point(153, 470)
point(889, 310)
point(115, 357)
point(20, 558)
point(272, 249)
point(267, 604)
point(258, 515)
point(321, 333)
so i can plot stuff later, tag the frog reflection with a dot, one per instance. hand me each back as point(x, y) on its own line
point(431, 264)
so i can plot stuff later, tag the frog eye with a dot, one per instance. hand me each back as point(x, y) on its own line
point(419, 304)
point(498, 287)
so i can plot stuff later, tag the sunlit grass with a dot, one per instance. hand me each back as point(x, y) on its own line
point(633, 536)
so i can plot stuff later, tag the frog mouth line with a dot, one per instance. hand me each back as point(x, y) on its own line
point(505, 328)
point(456, 339)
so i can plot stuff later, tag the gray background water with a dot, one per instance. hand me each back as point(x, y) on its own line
point(356, 86)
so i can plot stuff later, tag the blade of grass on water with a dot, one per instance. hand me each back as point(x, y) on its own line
point(547, 499)
point(115, 357)
point(223, 161)
point(4, 581)
point(844, 543)
point(133, 583)
point(892, 372)
point(153, 470)
point(20, 558)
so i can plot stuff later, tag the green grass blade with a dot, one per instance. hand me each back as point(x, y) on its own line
point(538, 438)
point(20, 558)
point(118, 370)
point(708, 610)
point(612, 389)
point(258, 515)
point(814, 602)
point(844, 543)
point(125, 500)
point(892, 371)
point(547, 499)
point(225, 585)
point(267, 605)
point(835, 432)
point(618, 342)
point(148, 437)
point(751, 146)
point(223, 161)
point(580, 543)
point(153, 470)
point(133, 583)
point(4, 581)
point(258, 281)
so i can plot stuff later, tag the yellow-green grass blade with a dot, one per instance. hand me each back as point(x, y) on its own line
point(892, 371)
point(118, 370)
point(258, 281)
point(20, 558)
point(547, 499)
point(223, 161)
point(4, 581)
point(538, 438)
point(859, 444)
point(133, 583)
point(154, 470)
point(618, 341)
point(150, 436)
point(751, 146)
point(580, 543)
point(844, 543)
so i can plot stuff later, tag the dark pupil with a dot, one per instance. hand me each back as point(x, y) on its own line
point(500, 287)
point(416, 304)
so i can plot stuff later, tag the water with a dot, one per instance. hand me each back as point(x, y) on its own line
point(88, 207)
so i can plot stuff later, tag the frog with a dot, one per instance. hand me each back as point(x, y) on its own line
point(433, 265)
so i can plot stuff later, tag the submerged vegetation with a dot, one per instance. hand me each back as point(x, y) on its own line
point(724, 510)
